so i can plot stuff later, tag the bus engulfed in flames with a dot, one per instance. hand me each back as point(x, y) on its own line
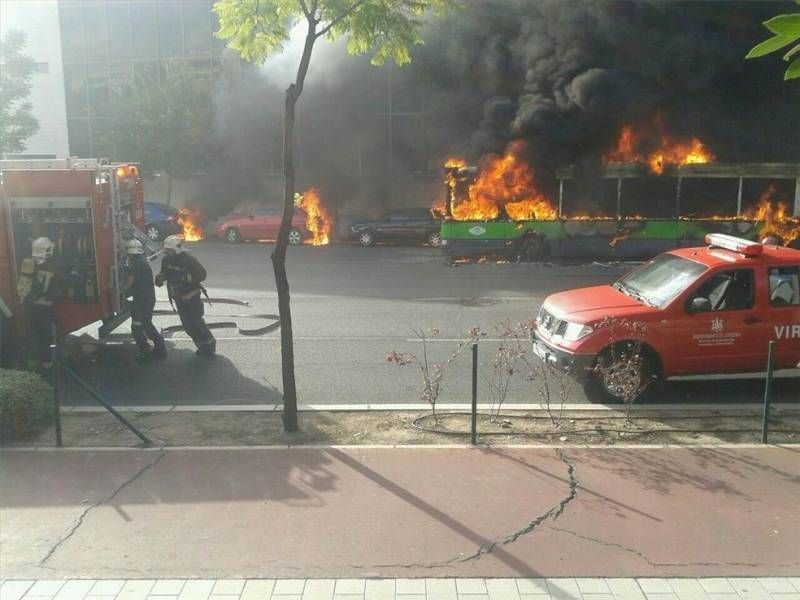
point(634, 146)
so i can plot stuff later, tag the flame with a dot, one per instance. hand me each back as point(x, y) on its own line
point(505, 183)
point(189, 219)
point(318, 221)
point(776, 217)
point(669, 151)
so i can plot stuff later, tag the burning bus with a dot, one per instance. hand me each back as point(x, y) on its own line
point(669, 198)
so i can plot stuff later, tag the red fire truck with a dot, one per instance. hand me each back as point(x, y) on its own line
point(88, 208)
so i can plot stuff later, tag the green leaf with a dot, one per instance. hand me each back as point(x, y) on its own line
point(792, 52)
point(793, 72)
point(771, 45)
point(784, 25)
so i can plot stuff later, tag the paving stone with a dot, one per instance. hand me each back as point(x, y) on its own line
point(197, 589)
point(257, 589)
point(749, 588)
point(409, 586)
point(135, 589)
point(688, 589)
point(717, 585)
point(530, 585)
point(288, 587)
point(662, 597)
point(228, 587)
point(625, 588)
point(534, 597)
point(598, 597)
point(225, 597)
point(100, 597)
point(654, 586)
point(350, 586)
point(47, 587)
point(470, 586)
point(286, 597)
point(795, 581)
point(162, 598)
point(777, 585)
point(473, 597)
point(168, 587)
point(724, 597)
point(412, 597)
point(76, 589)
point(502, 589)
point(565, 588)
point(441, 589)
point(795, 596)
point(381, 589)
point(348, 597)
point(319, 589)
point(593, 585)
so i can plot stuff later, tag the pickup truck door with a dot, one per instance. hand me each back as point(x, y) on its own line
point(729, 337)
point(783, 316)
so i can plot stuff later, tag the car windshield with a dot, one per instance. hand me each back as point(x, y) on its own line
point(658, 281)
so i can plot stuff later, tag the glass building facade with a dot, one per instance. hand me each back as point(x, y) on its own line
point(107, 44)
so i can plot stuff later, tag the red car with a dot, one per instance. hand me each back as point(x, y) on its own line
point(694, 311)
point(263, 224)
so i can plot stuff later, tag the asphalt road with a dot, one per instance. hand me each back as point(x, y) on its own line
point(351, 306)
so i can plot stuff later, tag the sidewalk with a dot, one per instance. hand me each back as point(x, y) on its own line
point(774, 588)
point(371, 512)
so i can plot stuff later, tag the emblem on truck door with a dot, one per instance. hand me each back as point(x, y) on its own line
point(477, 230)
point(717, 325)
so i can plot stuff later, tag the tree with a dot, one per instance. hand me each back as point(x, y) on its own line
point(17, 122)
point(786, 31)
point(260, 28)
point(166, 126)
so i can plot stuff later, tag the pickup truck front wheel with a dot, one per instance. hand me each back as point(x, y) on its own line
point(624, 372)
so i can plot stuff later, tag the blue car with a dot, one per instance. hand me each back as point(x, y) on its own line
point(161, 220)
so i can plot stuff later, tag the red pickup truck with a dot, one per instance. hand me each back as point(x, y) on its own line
point(693, 311)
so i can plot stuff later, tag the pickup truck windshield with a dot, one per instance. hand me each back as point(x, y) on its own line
point(660, 280)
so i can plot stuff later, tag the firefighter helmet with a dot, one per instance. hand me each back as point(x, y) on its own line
point(772, 240)
point(174, 243)
point(42, 249)
point(134, 247)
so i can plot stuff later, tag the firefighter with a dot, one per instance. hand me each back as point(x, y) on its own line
point(139, 283)
point(184, 275)
point(38, 286)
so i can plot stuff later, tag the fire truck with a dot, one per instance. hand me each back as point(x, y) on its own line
point(89, 208)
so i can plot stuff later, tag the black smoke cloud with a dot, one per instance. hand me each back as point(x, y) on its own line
point(563, 75)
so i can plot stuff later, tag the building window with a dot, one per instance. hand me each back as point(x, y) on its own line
point(197, 28)
point(41, 67)
point(119, 31)
point(144, 31)
point(96, 30)
point(170, 31)
point(78, 130)
point(75, 90)
point(72, 42)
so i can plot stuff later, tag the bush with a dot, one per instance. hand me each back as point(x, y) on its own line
point(26, 405)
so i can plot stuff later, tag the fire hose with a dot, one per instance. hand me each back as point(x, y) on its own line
point(274, 325)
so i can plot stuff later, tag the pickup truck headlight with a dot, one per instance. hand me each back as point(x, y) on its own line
point(576, 331)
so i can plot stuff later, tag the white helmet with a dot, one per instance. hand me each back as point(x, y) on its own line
point(42, 249)
point(134, 247)
point(173, 242)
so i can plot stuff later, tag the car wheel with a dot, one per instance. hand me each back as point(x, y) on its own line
point(295, 237)
point(366, 238)
point(153, 232)
point(624, 372)
point(233, 236)
point(435, 239)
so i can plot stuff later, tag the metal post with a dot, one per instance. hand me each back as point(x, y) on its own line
point(619, 197)
point(90, 390)
point(560, 198)
point(739, 197)
point(767, 393)
point(678, 198)
point(56, 382)
point(474, 436)
point(797, 197)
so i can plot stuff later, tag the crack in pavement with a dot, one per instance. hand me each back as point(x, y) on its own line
point(659, 564)
point(555, 512)
point(82, 517)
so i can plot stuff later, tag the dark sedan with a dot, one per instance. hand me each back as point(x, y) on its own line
point(410, 225)
point(160, 220)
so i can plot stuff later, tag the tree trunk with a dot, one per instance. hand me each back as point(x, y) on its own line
point(282, 243)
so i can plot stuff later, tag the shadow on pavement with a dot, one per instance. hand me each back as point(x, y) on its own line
point(183, 378)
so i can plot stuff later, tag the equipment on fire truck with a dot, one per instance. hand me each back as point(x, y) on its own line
point(79, 213)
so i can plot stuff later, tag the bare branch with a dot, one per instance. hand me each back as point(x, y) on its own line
point(306, 10)
point(353, 7)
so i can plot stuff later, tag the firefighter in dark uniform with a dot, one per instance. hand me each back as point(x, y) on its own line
point(184, 275)
point(38, 287)
point(139, 283)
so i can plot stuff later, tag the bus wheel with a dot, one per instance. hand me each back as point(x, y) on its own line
point(530, 248)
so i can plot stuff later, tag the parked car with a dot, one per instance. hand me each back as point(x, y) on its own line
point(263, 224)
point(694, 311)
point(410, 225)
point(161, 220)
